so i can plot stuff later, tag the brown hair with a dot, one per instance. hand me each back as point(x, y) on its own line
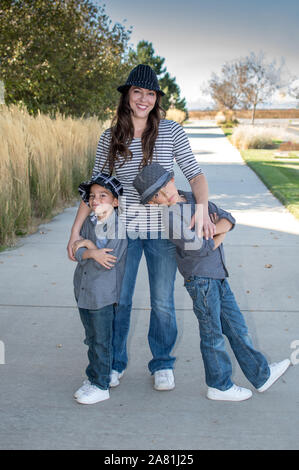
point(122, 133)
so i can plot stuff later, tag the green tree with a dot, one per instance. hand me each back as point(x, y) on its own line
point(145, 54)
point(61, 56)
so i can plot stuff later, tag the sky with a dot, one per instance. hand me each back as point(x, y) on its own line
point(196, 37)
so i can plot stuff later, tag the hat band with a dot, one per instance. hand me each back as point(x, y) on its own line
point(146, 195)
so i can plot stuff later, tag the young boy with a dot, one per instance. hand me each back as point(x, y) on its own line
point(202, 264)
point(101, 256)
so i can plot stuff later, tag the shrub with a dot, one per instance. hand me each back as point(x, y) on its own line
point(255, 137)
point(177, 115)
point(226, 118)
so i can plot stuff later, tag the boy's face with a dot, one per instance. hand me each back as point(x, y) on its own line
point(167, 195)
point(102, 201)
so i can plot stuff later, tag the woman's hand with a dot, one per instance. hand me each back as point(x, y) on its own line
point(205, 227)
point(74, 238)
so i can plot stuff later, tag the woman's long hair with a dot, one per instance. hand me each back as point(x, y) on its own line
point(122, 133)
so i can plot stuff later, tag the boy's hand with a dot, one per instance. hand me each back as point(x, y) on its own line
point(103, 257)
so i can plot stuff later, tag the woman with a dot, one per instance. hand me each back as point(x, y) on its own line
point(139, 136)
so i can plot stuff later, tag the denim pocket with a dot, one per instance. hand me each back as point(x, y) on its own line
point(204, 286)
point(190, 287)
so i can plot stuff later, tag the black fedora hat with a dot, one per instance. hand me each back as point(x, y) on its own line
point(142, 76)
point(109, 182)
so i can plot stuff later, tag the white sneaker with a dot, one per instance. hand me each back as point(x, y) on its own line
point(164, 380)
point(82, 389)
point(114, 378)
point(93, 395)
point(234, 393)
point(276, 371)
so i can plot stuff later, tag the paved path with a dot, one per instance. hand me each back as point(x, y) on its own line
point(45, 357)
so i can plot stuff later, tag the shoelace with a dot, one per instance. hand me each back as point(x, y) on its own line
point(91, 389)
point(163, 375)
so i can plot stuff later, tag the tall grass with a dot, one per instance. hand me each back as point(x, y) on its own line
point(176, 115)
point(42, 162)
point(259, 137)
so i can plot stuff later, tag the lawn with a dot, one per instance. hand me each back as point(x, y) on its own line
point(279, 174)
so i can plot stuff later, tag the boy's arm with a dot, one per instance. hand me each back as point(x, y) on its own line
point(225, 220)
point(218, 239)
point(83, 243)
point(108, 257)
point(178, 231)
point(223, 226)
point(180, 234)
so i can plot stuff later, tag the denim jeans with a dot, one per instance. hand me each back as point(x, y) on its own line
point(218, 314)
point(98, 325)
point(162, 334)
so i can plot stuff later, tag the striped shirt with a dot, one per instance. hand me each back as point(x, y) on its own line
point(171, 144)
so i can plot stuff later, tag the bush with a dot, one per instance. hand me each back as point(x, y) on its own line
point(226, 118)
point(254, 137)
point(177, 115)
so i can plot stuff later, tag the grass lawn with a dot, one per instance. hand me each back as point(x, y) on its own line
point(227, 131)
point(278, 174)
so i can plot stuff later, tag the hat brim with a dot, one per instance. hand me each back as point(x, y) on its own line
point(84, 188)
point(124, 88)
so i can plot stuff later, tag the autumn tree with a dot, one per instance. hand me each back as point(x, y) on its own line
point(245, 83)
point(226, 88)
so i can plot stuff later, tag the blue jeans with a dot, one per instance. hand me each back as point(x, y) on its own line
point(218, 314)
point(162, 334)
point(98, 325)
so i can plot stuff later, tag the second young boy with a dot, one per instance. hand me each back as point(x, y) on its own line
point(202, 264)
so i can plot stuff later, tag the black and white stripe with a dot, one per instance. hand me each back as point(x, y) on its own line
point(171, 144)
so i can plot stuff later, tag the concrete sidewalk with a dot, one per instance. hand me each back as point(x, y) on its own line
point(45, 358)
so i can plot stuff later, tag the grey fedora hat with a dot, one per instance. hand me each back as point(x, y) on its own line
point(142, 76)
point(150, 180)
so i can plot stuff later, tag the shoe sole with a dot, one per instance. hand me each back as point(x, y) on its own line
point(262, 389)
point(164, 389)
point(91, 403)
point(229, 399)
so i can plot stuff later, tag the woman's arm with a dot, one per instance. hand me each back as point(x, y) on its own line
point(84, 210)
point(82, 213)
point(197, 180)
point(200, 190)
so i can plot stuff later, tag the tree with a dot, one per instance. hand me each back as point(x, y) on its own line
point(61, 56)
point(226, 89)
point(145, 54)
point(293, 88)
point(262, 79)
point(245, 83)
